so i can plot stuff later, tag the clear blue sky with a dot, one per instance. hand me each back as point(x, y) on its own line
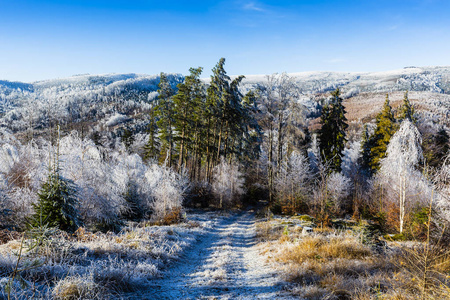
point(50, 39)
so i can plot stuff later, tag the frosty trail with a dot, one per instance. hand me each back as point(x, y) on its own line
point(224, 264)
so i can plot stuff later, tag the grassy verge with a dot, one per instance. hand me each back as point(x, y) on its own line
point(343, 264)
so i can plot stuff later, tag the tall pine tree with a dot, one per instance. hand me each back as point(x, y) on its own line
point(165, 114)
point(332, 133)
point(151, 148)
point(186, 102)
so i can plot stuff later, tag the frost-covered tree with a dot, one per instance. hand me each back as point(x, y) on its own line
point(338, 188)
point(279, 115)
point(228, 183)
point(167, 190)
point(398, 170)
point(442, 185)
point(292, 182)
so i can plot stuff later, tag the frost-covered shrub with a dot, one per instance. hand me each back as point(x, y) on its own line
point(167, 189)
point(228, 183)
point(100, 190)
point(442, 183)
point(112, 185)
point(291, 184)
point(350, 159)
point(339, 188)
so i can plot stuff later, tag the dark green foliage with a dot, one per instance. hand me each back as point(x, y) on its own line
point(332, 133)
point(134, 212)
point(367, 144)
point(379, 141)
point(127, 138)
point(57, 204)
point(196, 126)
point(151, 148)
point(406, 111)
point(435, 147)
point(164, 111)
point(188, 103)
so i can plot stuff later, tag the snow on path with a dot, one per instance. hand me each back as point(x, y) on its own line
point(224, 264)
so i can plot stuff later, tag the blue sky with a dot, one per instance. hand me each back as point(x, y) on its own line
point(51, 39)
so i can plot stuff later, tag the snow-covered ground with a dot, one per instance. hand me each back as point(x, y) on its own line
point(225, 264)
point(209, 256)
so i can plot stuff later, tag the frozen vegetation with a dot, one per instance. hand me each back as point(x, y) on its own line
point(314, 185)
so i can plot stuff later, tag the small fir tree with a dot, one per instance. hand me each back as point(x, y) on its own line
point(58, 201)
point(406, 111)
point(383, 132)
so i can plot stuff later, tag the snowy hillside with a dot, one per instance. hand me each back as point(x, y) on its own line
point(100, 97)
point(76, 98)
point(430, 79)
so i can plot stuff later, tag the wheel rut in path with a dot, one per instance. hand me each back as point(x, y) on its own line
point(224, 264)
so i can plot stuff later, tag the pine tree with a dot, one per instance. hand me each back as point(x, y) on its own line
point(127, 138)
point(406, 110)
point(367, 144)
point(383, 132)
point(151, 148)
point(186, 102)
point(58, 201)
point(332, 133)
point(165, 114)
point(436, 147)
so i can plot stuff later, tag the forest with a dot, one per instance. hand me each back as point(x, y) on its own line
point(135, 159)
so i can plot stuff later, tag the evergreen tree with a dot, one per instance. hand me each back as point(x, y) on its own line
point(436, 147)
point(186, 113)
point(249, 146)
point(383, 132)
point(406, 111)
point(165, 113)
point(127, 138)
point(332, 133)
point(217, 94)
point(57, 204)
point(367, 143)
point(224, 114)
point(151, 148)
point(133, 211)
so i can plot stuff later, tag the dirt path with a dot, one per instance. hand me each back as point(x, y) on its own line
point(225, 264)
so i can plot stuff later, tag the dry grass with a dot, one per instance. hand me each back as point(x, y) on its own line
point(78, 287)
point(322, 248)
point(330, 264)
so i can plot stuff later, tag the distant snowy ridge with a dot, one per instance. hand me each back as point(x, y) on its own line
point(429, 79)
point(100, 97)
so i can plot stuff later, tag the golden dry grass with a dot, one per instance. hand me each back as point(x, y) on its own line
point(336, 265)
